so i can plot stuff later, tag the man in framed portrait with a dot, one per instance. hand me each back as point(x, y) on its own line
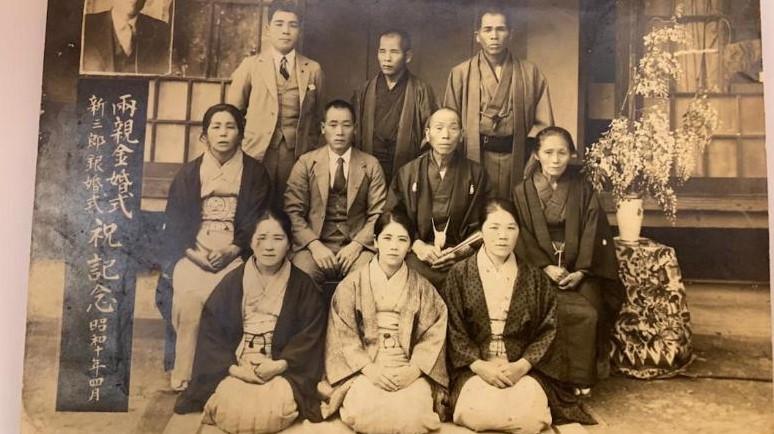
point(280, 90)
point(123, 40)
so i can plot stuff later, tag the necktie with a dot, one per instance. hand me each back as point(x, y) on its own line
point(284, 68)
point(127, 39)
point(339, 182)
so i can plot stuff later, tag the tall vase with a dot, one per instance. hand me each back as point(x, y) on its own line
point(629, 215)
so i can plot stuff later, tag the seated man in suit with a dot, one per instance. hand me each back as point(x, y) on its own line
point(333, 197)
point(441, 191)
point(123, 40)
point(280, 90)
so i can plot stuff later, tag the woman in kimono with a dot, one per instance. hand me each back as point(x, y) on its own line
point(385, 356)
point(213, 204)
point(564, 232)
point(260, 350)
point(502, 323)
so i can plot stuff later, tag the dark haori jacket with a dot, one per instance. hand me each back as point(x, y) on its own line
point(410, 194)
point(418, 104)
point(299, 339)
point(588, 238)
point(184, 218)
point(529, 333)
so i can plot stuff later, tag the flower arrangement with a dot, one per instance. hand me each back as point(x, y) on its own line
point(643, 155)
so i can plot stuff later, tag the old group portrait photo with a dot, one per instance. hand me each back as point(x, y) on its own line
point(400, 216)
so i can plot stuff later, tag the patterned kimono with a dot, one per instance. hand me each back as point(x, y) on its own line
point(247, 319)
point(566, 226)
point(391, 322)
point(192, 285)
point(525, 329)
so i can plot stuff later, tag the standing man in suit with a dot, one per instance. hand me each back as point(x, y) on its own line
point(502, 101)
point(393, 106)
point(280, 89)
point(334, 196)
point(123, 40)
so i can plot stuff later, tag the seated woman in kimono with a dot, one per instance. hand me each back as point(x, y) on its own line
point(213, 204)
point(384, 355)
point(564, 231)
point(502, 322)
point(440, 192)
point(260, 350)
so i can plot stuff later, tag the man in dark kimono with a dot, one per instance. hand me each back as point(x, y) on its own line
point(502, 100)
point(393, 106)
point(441, 191)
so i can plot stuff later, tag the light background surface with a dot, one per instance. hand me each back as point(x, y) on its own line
point(22, 28)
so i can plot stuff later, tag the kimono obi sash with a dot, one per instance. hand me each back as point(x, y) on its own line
point(261, 305)
point(217, 228)
point(498, 284)
point(219, 192)
point(389, 351)
point(388, 295)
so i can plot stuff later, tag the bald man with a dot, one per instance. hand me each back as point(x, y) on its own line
point(441, 191)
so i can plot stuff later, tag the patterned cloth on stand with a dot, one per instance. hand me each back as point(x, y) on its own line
point(652, 335)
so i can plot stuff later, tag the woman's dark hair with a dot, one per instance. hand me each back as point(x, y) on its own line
point(555, 131)
point(285, 6)
point(239, 118)
point(278, 215)
point(395, 217)
point(495, 204)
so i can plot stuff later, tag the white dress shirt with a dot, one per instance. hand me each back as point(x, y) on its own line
point(125, 30)
point(291, 57)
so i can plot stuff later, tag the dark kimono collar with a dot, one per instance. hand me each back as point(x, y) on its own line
point(572, 229)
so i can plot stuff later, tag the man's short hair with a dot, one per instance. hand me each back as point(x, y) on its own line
point(339, 104)
point(285, 6)
point(405, 38)
point(495, 10)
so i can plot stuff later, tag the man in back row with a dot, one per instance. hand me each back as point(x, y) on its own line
point(502, 101)
point(393, 106)
point(281, 91)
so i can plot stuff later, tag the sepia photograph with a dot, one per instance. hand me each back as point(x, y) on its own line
point(400, 217)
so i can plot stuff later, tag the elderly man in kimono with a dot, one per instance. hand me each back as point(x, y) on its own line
point(281, 91)
point(502, 100)
point(440, 192)
point(334, 195)
point(393, 106)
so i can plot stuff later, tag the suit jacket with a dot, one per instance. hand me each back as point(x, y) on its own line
point(151, 44)
point(418, 105)
point(306, 196)
point(254, 89)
